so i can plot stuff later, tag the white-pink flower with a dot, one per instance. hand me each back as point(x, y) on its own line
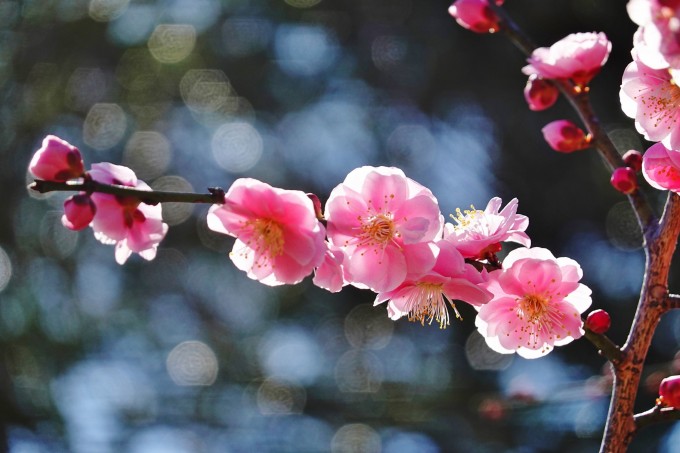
point(383, 222)
point(279, 240)
point(428, 297)
point(578, 56)
point(133, 227)
point(661, 167)
point(652, 98)
point(657, 40)
point(478, 234)
point(537, 303)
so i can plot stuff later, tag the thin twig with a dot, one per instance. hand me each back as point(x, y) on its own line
point(215, 195)
point(605, 346)
point(657, 414)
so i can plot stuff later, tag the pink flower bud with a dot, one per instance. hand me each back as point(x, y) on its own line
point(317, 205)
point(669, 391)
point(633, 159)
point(57, 160)
point(623, 179)
point(475, 15)
point(79, 211)
point(539, 93)
point(565, 137)
point(598, 321)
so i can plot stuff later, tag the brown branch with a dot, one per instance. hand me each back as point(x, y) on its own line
point(657, 414)
point(215, 195)
point(605, 346)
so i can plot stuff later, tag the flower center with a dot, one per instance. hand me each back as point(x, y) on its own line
point(427, 303)
point(532, 308)
point(661, 103)
point(268, 237)
point(470, 220)
point(378, 229)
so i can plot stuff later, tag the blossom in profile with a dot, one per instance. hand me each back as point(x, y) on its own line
point(79, 211)
point(475, 15)
point(565, 137)
point(537, 303)
point(477, 234)
point(383, 223)
point(278, 237)
point(661, 167)
point(428, 298)
point(657, 40)
point(330, 275)
point(652, 98)
point(133, 226)
point(578, 56)
point(56, 160)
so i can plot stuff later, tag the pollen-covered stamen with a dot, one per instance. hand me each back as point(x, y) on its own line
point(541, 315)
point(471, 220)
point(662, 102)
point(378, 230)
point(265, 237)
point(428, 303)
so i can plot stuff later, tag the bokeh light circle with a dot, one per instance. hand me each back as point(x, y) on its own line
point(104, 126)
point(237, 146)
point(192, 363)
point(356, 437)
point(172, 43)
point(174, 213)
point(148, 154)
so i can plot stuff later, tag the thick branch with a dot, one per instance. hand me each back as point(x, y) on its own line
point(215, 195)
point(605, 346)
point(657, 414)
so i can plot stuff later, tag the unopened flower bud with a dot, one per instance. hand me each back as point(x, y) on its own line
point(79, 211)
point(317, 205)
point(565, 137)
point(539, 93)
point(56, 160)
point(669, 391)
point(598, 321)
point(633, 159)
point(475, 15)
point(623, 179)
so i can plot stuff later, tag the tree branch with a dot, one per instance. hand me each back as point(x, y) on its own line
point(673, 301)
point(605, 346)
point(657, 414)
point(215, 195)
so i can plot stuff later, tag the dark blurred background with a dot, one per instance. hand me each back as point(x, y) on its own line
point(185, 353)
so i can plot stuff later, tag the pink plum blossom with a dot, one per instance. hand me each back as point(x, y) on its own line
point(624, 180)
point(578, 56)
point(124, 221)
point(278, 237)
point(478, 234)
point(475, 15)
point(56, 160)
point(427, 298)
point(79, 210)
point(565, 137)
point(661, 167)
point(330, 273)
point(652, 98)
point(657, 40)
point(383, 222)
point(537, 303)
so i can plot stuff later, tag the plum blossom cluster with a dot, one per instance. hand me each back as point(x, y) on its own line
point(123, 221)
point(380, 231)
point(383, 231)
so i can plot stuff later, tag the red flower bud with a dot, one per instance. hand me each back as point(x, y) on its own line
point(669, 391)
point(79, 211)
point(633, 159)
point(539, 93)
point(623, 179)
point(598, 321)
point(565, 137)
point(475, 15)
